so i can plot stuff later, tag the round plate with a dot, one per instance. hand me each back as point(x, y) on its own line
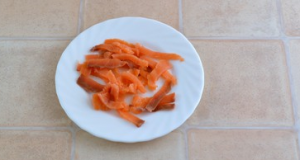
point(108, 125)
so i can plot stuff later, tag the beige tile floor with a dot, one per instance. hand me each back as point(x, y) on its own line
point(250, 51)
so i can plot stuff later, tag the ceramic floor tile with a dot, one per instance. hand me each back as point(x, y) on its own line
point(242, 145)
point(230, 18)
point(38, 18)
point(291, 17)
point(295, 70)
point(27, 95)
point(33, 145)
point(246, 84)
point(97, 11)
point(170, 146)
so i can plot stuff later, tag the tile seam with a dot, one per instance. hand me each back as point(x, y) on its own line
point(73, 143)
point(80, 17)
point(180, 16)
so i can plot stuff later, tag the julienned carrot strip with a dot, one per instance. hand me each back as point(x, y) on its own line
point(159, 69)
point(98, 105)
point(136, 110)
point(107, 55)
point(105, 98)
point(158, 55)
point(92, 56)
point(131, 58)
point(115, 91)
point(85, 70)
point(78, 67)
point(135, 71)
point(101, 74)
point(111, 77)
point(105, 63)
point(123, 47)
point(170, 98)
point(166, 75)
point(107, 47)
point(166, 106)
point(134, 79)
point(110, 41)
point(126, 69)
point(131, 118)
point(89, 84)
point(158, 96)
point(138, 101)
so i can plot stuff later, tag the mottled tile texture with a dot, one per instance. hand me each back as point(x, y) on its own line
point(167, 147)
point(27, 94)
point(242, 145)
point(96, 11)
point(29, 18)
point(246, 84)
point(230, 18)
point(291, 17)
point(33, 145)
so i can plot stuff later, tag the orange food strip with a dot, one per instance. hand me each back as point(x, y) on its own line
point(97, 103)
point(131, 118)
point(101, 74)
point(158, 96)
point(107, 55)
point(166, 106)
point(166, 75)
point(134, 79)
point(89, 84)
point(135, 71)
point(170, 98)
point(78, 67)
point(85, 70)
point(136, 110)
point(158, 55)
point(123, 47)
point(105, 63)
point(111, 77)
point(159, 69)
point(92, 56)
point(138, 101)
point(105, 98)
point(110, 41)
point(107, 47)
point(131, 58)
point(115, 92)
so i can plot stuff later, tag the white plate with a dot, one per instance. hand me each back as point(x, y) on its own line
point(152, 34)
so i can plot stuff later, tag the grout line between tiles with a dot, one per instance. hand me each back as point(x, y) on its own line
point(285, 40)
point(186, 144)
point(295, 109)
point(73, 144)
point(80, 15)
point(36, 38)
point(180, 16)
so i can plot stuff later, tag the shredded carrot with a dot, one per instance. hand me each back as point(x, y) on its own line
point(159, 69)
point(158, 55)
point(131, 58)
point(88, 84)
point(158, 96)
point(128, 69)
point(105, 63)
point(97, 103)
point(131, 118)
